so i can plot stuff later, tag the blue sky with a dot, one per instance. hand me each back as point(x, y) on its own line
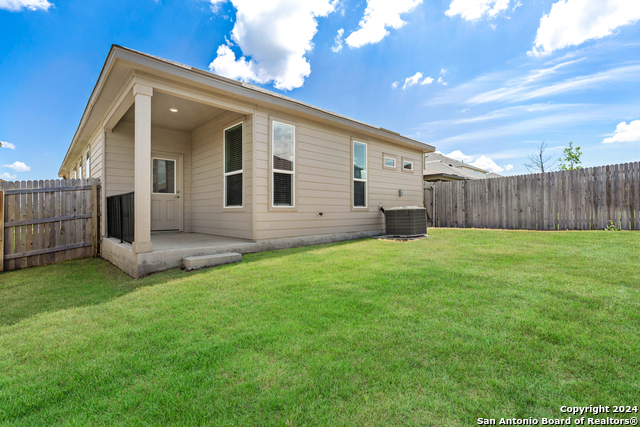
point(486, 80)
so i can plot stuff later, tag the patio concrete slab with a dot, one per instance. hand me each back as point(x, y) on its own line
point(169, 248)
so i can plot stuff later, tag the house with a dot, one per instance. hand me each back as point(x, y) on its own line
point(438, 167)
point(192, 163)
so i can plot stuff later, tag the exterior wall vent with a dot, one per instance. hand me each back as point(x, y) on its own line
point(406, 221)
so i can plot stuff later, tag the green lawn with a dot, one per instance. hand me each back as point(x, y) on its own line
point(441, 331)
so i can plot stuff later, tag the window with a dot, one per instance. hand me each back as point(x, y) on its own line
point(80, 170)
point(475, 172)
point(88, 165)
point(359, 174)
point(407, 165)
point(164, 176)
point(75, 173)
point(389, 162)
point(233, 166)
point(283, 164)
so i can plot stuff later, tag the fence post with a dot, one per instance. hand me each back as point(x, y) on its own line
point(94, 220)
point(1, 230)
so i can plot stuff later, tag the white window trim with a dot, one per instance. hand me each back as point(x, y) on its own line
point(366, 169)
point(88, 163)
point(175, 174)
point(75, 173)
point(274, 170)
point(394, 166)
point(226, 174)
point(407, 161)
point(80, 169)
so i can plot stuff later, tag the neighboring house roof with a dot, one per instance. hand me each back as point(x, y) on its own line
point(436, 164)
point(98, 106)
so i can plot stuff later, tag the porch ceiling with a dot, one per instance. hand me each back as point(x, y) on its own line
point(190, 114)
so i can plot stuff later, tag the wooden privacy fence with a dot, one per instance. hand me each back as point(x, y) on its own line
point(583, 199)
point(43, 222)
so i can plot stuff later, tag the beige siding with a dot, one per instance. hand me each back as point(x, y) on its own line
point(208, 214)
point(120, 160)
point(96, 157)
point(323, 182)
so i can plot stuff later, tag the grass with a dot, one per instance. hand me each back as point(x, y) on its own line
point(441, 331)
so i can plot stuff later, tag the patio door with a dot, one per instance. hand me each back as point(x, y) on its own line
point(166, 200)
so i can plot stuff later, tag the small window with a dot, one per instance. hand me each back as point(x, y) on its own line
point(484, 175)
point(80, 170)
point(164, 176)
point(390, 162)
point(88, 165)
point(75, 173)
point(233, 166)
point(475, 172)
point(407, 165)
point(283, 164)
point(359, 174)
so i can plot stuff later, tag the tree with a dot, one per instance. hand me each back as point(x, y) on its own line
point(571, 159)
point(540, 162)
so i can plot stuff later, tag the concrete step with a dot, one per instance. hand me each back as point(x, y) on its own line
point(203, 261)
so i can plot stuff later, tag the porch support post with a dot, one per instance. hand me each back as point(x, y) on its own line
point(142, 150)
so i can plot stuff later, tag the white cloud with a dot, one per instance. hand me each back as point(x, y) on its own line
point(215, 4)
point(5, 144)
point(443, 71)
point(552, 120)
point(18, 5)
point(532, 85)
point(518, 4)
point(427, 81)
point(484, 162)
point(378, 16)
point(459, 156)
point(442, 82)
point(338, 40)
point(472, 10)
point(572, 22)
point(410, 81)
point(625, 133)
point(7, 176)
point(394, 85)
point(275, 35)
point(18, 167)
point(493, 27)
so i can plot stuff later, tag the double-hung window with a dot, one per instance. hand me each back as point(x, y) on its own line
point(88, 165)
point(359, 174)
point(283, 164)
point(233, 166)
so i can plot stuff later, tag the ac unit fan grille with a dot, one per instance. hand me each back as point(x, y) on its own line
point(406, 222)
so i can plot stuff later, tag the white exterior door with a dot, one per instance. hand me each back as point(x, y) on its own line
point(166, 199)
